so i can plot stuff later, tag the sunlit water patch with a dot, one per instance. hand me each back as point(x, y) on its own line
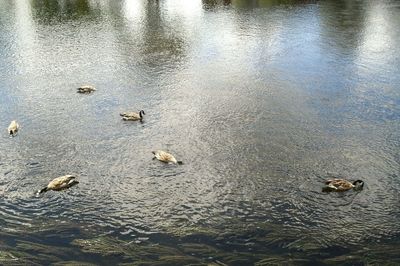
point(261, 100)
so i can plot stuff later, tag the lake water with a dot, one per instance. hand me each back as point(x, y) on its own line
point(262, 100)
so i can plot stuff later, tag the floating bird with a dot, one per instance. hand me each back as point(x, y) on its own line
point(86, 89)
point(13, 128)
point(340, 185)
point(60, 183)
point(132, 116)
point(165, 157)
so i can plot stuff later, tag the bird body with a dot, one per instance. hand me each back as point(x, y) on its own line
point(86, 89)
point(165, 157)
point(132, 116)
point(60, 183)
point(340, 185)
point(13, 128)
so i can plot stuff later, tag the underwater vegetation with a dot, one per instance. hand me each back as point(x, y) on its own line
point(264, 245)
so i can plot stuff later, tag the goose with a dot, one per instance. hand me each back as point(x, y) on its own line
point(132, 116)
point(165, 157)
point(60, 183)
point(13, 128)
point(86, 89)
point(340, 185)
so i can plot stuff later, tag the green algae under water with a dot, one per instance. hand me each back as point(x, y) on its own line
point(265, 245)
point(262, 100)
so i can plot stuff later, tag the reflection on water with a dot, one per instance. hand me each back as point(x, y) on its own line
point(50, 12)
point(253, 3)
point(262, 100)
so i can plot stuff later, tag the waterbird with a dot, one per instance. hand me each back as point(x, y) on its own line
point(13, 128)
point(340, 185)
point(165, 157)
point(132, 116)
point(60, 183)
point(86, 89)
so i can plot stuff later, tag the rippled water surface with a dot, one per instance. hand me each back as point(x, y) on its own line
point(262, 100)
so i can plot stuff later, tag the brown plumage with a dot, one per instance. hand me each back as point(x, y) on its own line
point(60, 183)
point(340, 185)
point(165, 157)
point(132, 116)
point(13, 128)
point(86, 89)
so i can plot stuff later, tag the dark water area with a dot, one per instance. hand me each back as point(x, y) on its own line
point(262, 100)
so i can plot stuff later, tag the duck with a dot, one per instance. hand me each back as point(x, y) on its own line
point(13, 128)
point(340, 185)
point(60, 183)
point(165, 157)
point(86, 89)
point(132, 116)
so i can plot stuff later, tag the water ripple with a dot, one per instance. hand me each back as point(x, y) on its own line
point(261, 110)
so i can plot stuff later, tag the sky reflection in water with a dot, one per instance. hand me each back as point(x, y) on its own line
point(262, 101)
